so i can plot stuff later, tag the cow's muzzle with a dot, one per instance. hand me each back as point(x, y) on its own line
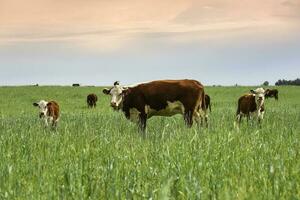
point(114, 106)
point(42, 115)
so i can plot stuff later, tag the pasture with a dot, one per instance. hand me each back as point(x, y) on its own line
point(98, 154)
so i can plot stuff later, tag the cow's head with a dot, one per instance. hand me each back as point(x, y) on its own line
point(116, 93)
point(42, 105)
point(259, 95)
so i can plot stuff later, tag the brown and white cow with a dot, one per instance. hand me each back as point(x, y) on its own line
point(160, 98)
point(207, 102)
point(272, 93)
point(251, 105)
point(91, 100)
point(49, 111)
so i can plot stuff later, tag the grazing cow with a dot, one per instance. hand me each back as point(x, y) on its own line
point(91, 100)
point(207, 102)
point(272, 93)
point(160, 98)
point(49, 111)
point(251, 104)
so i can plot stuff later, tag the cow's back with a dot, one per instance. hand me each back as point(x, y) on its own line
point(92, 97)
point(157, 94)
point(53, 109)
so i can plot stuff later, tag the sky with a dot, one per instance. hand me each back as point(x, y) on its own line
point(96, 42)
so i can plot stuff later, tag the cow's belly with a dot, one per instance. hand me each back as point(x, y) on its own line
point(172, 108)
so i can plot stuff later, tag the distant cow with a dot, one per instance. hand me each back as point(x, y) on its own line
point(207, 102)
point(75, 84)
point(251, 104)
point(91, 100)
point(49, 111)
point(160, 98)
point(272, 93)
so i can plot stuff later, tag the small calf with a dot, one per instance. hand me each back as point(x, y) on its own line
point(49, 111)
point(250, 104)
point(91, 100)
point(271, 93)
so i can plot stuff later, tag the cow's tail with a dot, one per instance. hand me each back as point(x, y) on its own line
point(209, 105)
point(203, 103)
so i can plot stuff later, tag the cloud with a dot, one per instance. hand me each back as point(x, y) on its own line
point(291, 9)
point(110, 25)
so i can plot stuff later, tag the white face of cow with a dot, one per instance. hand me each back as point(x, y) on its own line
point(116, 95)
point(42, 105)
point(259, 95)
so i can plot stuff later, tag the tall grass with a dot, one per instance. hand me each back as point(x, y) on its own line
point(98, 154)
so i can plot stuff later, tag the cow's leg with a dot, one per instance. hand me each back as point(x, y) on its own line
point(197, 117)
point(248, 117)
point(188, 118)
point(239, 118)
point(260, 116)
point(54, 124)
point(206, 119)
point(52, 121)
point(142, 122)
point(203, 118)
point(46, 121)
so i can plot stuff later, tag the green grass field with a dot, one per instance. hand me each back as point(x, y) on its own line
point(98, 154)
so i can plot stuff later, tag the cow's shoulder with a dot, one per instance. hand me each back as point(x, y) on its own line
point(53, 105)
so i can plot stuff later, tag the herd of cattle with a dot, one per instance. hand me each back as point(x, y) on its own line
point(165, 98)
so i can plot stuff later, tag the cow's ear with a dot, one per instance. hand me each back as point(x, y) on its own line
point(35, 104)
point(106, 91)
point(116, 83)
point(252, 91)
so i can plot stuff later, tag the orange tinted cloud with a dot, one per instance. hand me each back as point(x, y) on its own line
point(114, 23)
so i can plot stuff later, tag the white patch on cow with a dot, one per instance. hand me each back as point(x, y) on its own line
point(197, 117)
point(259, 94)
point(260, 115)
point(116, 95)
point(43, 107)
point(171, 109)
point(259, 99)
point(134, 114)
